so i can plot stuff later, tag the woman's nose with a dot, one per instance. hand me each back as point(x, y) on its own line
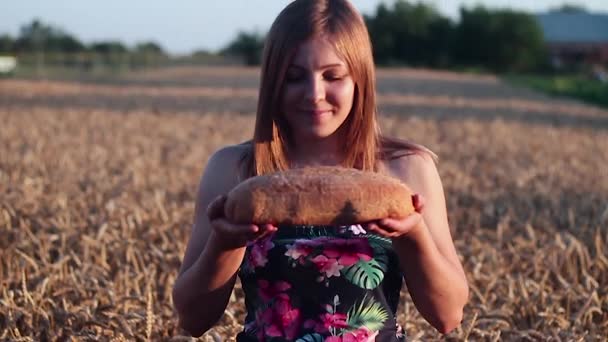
point(315, 90)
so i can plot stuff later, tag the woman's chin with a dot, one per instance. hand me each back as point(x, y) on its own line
point(316, 133)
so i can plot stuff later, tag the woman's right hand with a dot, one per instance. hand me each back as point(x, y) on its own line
point(230, 235)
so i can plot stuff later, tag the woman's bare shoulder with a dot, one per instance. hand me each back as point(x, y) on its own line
point(230, 153)
point(225, 165)
point(220, 175)
point(416, 169)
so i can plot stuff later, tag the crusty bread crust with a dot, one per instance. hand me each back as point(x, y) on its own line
point(318, 196)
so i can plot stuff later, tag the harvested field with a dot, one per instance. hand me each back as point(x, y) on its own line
point(97, 186)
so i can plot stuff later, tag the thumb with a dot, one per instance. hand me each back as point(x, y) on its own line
point(215, 209)
point(418, 202)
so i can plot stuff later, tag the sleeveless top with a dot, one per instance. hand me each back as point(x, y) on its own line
point(321, 283)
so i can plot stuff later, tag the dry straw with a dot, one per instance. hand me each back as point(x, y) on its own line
point(96, 203)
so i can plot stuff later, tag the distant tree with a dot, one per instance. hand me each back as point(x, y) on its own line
point(248, 46)
point(570, 8)
point(39, 37)
point(33, 37)
point(108, 47)
point(202, 53)
point(7, 44)
point(410, 33)
point(150, 48)
point(147, 54)
point(502, 40)
point(111, 54)
point(66, 43)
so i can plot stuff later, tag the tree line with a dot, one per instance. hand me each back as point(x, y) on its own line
point(403, 34)
point(39, 43)
point(416, 34)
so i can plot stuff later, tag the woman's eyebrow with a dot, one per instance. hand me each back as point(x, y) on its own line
point(327, 66)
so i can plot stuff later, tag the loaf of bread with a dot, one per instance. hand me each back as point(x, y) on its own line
point(318, 196)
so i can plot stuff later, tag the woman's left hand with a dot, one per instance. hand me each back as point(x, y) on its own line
point(397, 228)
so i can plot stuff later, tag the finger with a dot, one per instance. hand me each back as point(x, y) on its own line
point(395, 234)
point(377, 230)
point(418, 202)
point(266, 230)
point(215, 209)
point(235, 230)
point(267, 226)
point(390, 224)
point(262, 236)
point(271, 228)
point(402, 225)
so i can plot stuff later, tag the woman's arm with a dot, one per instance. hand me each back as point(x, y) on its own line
point(208, 272)
point(433, 273)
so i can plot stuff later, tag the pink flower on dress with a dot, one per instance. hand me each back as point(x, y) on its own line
point(349, 251)
point(336, 320)
point(299, 251)
point(328, 322)
point(362, 334)
point(330, 267)
point(333, 339)
point(258, 255)
point(279, 320)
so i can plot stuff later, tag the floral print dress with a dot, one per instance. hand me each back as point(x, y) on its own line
point(321, 283)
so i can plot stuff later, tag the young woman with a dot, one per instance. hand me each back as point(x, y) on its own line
point(317, 107)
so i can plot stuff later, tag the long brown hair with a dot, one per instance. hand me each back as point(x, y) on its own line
point(340, 23)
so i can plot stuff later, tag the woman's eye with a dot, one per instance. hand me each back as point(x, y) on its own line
point(299, 76)
point(334, 77)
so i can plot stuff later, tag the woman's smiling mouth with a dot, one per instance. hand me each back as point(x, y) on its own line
point(316, 112)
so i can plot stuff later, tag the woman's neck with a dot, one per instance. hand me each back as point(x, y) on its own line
point(316, 152)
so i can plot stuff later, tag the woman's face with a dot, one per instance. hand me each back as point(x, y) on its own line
point(318, 92)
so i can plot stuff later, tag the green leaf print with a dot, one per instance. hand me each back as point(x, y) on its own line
point(379, 247)
point(368, 274)
point(365, 274)
point(311, 338)
point(369, 314)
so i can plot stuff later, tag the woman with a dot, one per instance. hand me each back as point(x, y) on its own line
point(317, 107)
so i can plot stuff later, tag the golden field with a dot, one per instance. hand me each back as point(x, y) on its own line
point(98, 180)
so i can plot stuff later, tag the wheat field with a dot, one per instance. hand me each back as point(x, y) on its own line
point(98, 180)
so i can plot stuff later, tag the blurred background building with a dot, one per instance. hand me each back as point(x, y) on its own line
point(574, 37)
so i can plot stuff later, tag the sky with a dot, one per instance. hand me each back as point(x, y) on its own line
point(184, 26)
